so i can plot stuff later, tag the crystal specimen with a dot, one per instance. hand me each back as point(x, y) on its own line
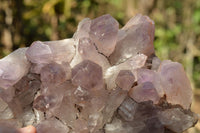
point(103, 80)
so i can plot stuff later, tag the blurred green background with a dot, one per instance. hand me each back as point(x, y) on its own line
point(177, 22)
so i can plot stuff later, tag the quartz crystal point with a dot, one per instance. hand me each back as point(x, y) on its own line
point(83, 29)
point(176, 84)
point(5, 111)
point(42, 53)
point(46, 52)
point(125, 79)
point(132, 64)
point(55, 73)
point(39, 53)
point(88, 69)
point(135, 37)
point(85, 45)
point(144, 92)
point(103, 31)
point(155, 63)
point(103, 80)
point(13, 67)
point(147, 75)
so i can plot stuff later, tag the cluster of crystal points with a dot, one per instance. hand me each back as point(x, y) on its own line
point(103, 80)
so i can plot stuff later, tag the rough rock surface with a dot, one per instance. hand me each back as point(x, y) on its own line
point(103, 80)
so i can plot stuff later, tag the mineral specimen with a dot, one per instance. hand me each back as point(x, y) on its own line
point(103, 80)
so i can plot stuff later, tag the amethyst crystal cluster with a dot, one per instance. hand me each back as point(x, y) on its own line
point(103, 80)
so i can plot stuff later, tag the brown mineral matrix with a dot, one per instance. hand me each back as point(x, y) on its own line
point(103, 80)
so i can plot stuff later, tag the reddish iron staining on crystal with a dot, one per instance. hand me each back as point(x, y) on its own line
point(103, 80)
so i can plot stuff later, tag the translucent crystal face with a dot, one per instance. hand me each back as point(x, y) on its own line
point(103, 80)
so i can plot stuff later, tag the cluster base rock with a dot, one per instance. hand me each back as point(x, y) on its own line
point(103, 80)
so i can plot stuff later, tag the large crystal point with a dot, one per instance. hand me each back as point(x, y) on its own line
point(46, 52)
point(103, 31)
point(64, 109)
point(176, 84)
point(135, 37)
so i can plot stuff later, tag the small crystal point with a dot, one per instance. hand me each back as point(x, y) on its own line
point(144, 92)
point(85, 45)
point(92, 71)
point(46, 52)
point(103, 80)
point(83, 29)
point(125, 79)
point(12, 68)
point(55, 73)
point(39, 52)
point(147, 75)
